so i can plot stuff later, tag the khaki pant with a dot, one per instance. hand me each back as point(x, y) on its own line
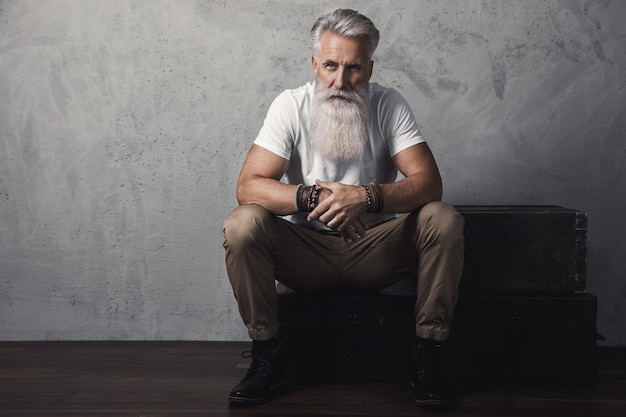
point(261, 248)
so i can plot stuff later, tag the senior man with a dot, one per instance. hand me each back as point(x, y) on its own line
point(322, 207)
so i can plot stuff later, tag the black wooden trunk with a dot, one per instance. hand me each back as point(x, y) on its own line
point(524, 249)
point(522, 314)
point(522, 338)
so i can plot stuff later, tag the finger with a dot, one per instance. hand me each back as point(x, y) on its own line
point(321, 208)
point(324, 184)
point(352, 233)
point(330, 186)
point(319, 212)
point(359, 227)
point(315, 214)
point(334, 220)
point(347, 237)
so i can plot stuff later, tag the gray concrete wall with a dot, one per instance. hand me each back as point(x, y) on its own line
point(123, 125)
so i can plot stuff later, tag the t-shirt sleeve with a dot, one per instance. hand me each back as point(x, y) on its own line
point(277, 134)
point(398, 123)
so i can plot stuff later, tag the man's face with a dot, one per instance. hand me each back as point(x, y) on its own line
point(343, 63)
point(338, 128)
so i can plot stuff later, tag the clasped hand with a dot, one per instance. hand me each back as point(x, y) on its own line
point(341, 208)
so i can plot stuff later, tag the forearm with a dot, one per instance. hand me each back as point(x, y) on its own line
point(273, 195)
point(411, 193)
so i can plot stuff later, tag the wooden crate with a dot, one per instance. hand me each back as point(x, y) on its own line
point(524, 249)
point(523, 314)
point(512, 337)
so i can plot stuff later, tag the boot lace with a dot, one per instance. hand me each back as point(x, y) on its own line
point(261, 365)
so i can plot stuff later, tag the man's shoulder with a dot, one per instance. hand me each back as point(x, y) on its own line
point(292, 100)
point(380, 92)
point(300, 93)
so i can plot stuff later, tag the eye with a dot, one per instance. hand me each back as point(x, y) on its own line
point(330, 65)
point(355, 67)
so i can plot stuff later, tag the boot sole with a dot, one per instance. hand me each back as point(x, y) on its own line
point(274, 391)
point(434, 403)
point(431, 403)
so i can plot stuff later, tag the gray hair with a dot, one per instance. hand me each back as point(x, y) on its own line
point(348, 23)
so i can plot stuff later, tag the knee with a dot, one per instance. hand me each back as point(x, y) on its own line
point(443, 221)
point(244, 224)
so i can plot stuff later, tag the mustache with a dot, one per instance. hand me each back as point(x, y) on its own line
point(357, 94)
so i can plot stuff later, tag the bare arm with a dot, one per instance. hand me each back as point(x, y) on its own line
point(422, 182)
point(259, 183)
point(340, 205)
point(345, 205)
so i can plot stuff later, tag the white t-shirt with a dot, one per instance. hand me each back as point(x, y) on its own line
point(391, 126)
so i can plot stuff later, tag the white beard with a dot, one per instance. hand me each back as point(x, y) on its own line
point(338, 129)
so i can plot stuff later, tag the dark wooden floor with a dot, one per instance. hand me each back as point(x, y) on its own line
point(167, 379)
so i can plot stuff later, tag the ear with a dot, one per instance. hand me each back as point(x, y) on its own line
point(314, 63)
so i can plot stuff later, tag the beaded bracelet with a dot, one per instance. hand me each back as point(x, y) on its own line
point(377, 197)
point(374, 197)
point(314, 197)
point(368, 196)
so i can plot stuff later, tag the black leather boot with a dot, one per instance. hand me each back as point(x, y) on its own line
point(265, 375)
point(424, 374)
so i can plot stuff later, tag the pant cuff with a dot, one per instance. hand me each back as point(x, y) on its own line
point(435, 334)
point(262, 333)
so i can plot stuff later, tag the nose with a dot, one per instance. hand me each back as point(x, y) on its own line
point(340, 80)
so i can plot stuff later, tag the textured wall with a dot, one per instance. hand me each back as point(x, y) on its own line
point(123, 126)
